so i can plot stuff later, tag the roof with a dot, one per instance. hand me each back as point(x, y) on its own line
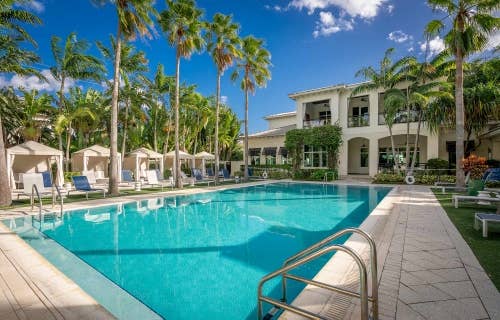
point(95, 151)
point(145, 153)
point(204, 155)
point(182, 155)
point(281, 115)
point(34, 148)
point(273, 132)
point(297, 94)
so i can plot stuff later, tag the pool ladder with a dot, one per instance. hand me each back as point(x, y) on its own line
point(311, 253)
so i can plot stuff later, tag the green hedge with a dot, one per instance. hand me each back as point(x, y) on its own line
point(315, 174)
point(426, 179)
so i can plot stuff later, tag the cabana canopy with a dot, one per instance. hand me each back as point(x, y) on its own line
point(138, 161)
point(204, 155)
point(170, 156)
point(32, 156)
point(94, 158)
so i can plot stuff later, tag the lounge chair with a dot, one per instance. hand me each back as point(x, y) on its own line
point(226, 175)
point(127, 178)
point(30, 179)
point(196, 173)
point(186, 179)
point(82, 184)
point(477, 199)
point(210, 173)
point(152, 177)
point(251, 175)
point(485, 218)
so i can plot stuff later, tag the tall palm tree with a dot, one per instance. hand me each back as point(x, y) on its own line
point(134, 19)
point(13, 58)
point(386, 77)
point(472, 23)
point(72, 61)
point(182, 25)
point(35, 114)
point(254, 65)
point(223, 45)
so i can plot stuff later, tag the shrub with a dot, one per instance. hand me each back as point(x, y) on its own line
point(319, 175)
point(431, 179)
point(475, 165)
point(388, 178)
point(437, 163)
point(278, 175)
point(69, 174)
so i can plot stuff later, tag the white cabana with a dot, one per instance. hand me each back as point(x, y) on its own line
point(94, 158)
point(138, 161)
point(33, 157)
point(203, 157)
point(170, 159)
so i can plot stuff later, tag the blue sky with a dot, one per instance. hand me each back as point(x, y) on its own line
point(313, 43)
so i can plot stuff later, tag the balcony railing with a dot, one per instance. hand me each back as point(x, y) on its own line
point(401, 117)
point(316, 123)
point(358, 121)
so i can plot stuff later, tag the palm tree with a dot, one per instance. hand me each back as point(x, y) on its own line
point(134, 18)
point(254, 66)
point(35, 114)
point(387, 77)
point(13, 59)
point(182, 25)
point(72, 61)
point(223, 43)
point(472, 23)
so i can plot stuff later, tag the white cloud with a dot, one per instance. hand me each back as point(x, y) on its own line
point(390, 8)
point(494, 41)
point(224, 99)
point(33, 82)
point(399, 36)
point(436, 45)
point(34, 5)
point(355, 8)
point(328, 24)
point(275, 8)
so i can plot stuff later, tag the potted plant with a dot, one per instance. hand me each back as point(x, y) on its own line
point(476, 167)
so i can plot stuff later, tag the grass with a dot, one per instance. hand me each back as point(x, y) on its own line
point(47, 200)
point(487, 250)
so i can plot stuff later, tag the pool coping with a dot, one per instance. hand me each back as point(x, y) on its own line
point(27, 255)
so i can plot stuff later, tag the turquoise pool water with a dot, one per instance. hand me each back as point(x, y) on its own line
point(201, 256)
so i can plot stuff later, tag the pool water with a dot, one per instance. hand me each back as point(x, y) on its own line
point(202, 256)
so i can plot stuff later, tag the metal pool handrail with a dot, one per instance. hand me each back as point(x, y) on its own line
point(373, 264)
point(33, 189)
point(363, 295)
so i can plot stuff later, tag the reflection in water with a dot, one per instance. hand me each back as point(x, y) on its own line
point(201, 256)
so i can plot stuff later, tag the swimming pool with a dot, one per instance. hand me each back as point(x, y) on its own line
point(200, 256)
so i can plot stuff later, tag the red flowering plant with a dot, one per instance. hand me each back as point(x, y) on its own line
point(475, 166)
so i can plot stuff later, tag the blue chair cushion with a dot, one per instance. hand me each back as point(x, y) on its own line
point(81, 183)
point(47, 179)
point(127, 176)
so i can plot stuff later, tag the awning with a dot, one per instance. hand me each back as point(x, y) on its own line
point(270, 151)
point(254, 152)
point(283, 152)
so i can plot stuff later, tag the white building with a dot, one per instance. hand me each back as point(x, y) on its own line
point(367, 147)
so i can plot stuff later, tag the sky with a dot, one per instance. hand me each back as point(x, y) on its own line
point(313, 43)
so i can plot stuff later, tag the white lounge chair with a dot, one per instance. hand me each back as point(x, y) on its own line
point(30, 179)
point(485, 218)
point(153, 180)
point(476, 199)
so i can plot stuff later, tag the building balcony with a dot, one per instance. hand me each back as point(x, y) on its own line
point(316, 123)
point(401, 117)
point(358, 121)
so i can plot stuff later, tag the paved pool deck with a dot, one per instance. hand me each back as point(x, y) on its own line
point(426, 270)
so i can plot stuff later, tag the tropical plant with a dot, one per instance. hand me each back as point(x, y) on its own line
point(134, 18)
point(386, 77)
point(182, 25)
point(472, 23)
point(223, 45)
point(72, 61)
point(35, 114)
point(14, 58)
point(254, 67)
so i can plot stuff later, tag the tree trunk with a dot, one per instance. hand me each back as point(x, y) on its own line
point(245, 174)
point(68, 145)
point(414, 159)
point(125, 128)
point(216, 141)
point(177, 174)
point(396, 161)
point(113, 174)
point(5, 192)
point(155, 134)
point(459, 106)
point(407, 155)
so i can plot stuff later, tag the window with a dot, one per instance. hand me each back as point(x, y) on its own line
point(325, 115)
point(255, 160)
point(363, 157)
point(315, 157)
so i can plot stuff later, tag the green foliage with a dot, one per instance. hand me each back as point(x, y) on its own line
point(390, 178)
point(69, 174)
point(426, 179)
point(315, 174)
point(328, 136)
point(493, 184)
point(437, 163)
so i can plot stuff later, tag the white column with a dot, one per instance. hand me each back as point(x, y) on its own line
point(301, 111)
point(373, 157)
point(203, 170)
point(334, 107)
point(344, 158)
point(137, 171)
point(432, 146)
point(85, 160)
point(162, 169)
point(373, 110)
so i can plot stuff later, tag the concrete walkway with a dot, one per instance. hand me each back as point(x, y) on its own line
point(430, 272)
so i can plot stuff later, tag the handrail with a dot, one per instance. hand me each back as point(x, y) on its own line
point(317, 245)
point(282, 271)
point(60, 197)
point(33, 189)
